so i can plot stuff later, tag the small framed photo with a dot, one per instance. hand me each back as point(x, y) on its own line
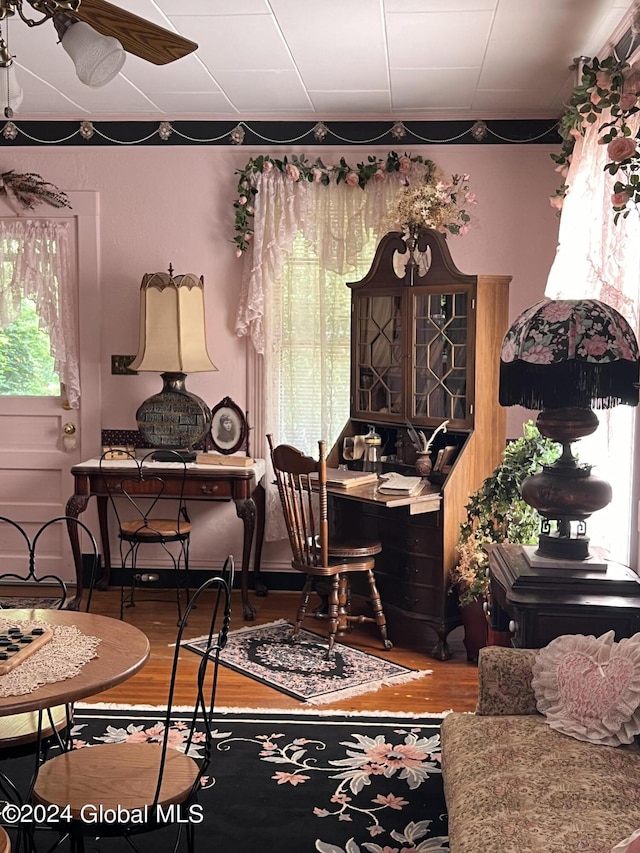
point(228, 427)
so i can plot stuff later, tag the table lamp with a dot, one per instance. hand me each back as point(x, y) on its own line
point(563, 358)
point(173, 343)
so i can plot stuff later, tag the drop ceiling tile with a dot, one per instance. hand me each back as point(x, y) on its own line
point(261, 91)
point(332, 48)
point(431, 89)
point(433, 40)
point(188, 74)
point(351, 102)
point(457, 6)
point(208, 7)
point(236, 42)
point(202, 104)
point(512, 100)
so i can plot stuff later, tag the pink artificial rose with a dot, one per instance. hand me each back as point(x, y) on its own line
point(382, 165)
point(603, 80)
point(380, 175)
point(352, 179)
point(405, 165)
point(556, 201)
point(293, 173)
point(562, 169)
point(628, 100)
point(238, 253)
point(317, 174)
point(471, 198)
point(267, 166)
point(620, 199)
point(621, 148)
point(242, 199)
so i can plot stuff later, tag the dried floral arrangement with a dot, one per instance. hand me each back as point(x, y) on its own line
point(451, 194)
point(434, 202)
point(496, 512)
point(608, 90)
point(26, 190)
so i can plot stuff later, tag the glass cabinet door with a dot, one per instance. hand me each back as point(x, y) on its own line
point(440, 349)
point(378, 353)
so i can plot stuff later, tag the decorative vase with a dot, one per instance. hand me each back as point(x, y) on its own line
point(424, 464)
point(475, 625)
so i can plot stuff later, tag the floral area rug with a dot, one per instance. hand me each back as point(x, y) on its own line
point(306, 781)
point(301, 669)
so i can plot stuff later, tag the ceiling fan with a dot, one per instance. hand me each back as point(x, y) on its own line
point(136, 35)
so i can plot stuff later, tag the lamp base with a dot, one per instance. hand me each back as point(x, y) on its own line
point(594, 562)
point(174, 418)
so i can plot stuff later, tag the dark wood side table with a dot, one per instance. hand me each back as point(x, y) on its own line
point(203, 483)
point(536, 605)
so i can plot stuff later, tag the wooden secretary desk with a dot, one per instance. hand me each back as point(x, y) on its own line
point(425, 348)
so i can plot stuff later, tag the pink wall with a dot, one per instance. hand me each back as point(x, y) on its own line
point(174, 205)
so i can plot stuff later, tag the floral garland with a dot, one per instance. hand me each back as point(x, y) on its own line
point(613, 86)
point(434, 202)
point(29, 189)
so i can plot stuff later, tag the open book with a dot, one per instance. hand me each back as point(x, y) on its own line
point(398, 484)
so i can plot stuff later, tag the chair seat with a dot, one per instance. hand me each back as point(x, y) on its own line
point(347, 548)
point(335, 567)
point(21, 729)
point(114, 774)
point(157, 528)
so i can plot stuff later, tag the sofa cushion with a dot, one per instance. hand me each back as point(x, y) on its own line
point(589, 687)
point(504, 681)
point(513, 784)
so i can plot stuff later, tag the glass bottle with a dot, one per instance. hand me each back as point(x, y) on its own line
point(372, 451)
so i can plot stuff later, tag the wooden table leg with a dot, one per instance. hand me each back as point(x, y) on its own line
point(246, 510)
point(75, 505)
point(103, 523)
point(260, 501)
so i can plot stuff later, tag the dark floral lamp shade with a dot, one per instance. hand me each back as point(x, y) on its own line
point(564, 358)
point(561, 353)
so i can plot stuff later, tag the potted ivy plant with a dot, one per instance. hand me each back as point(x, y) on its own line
point(496, 512)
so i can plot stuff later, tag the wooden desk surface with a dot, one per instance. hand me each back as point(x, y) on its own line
point(428, 500)
point(122, 651)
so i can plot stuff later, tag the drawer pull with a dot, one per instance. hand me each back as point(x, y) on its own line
point(513, 627)
point(208, 490)
point(485, 608)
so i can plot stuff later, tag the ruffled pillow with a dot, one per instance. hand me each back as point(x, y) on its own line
point(629, 845)
point(589, 687)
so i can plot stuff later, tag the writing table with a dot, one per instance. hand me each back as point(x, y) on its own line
point(243, 486)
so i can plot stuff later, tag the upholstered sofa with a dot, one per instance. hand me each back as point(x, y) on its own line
point(515, 785)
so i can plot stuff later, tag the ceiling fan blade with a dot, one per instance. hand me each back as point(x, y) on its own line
point(136, 35)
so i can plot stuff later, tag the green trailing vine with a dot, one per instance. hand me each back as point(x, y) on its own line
point(496, 512)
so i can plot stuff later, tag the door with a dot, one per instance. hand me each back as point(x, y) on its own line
point(40, 438)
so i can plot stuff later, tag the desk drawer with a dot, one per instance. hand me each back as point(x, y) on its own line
point(209, 489)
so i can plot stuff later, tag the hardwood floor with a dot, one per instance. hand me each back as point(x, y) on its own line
point(453, 684)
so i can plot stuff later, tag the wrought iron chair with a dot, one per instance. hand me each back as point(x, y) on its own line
point(134, 497)
point(25, 589)
point(157, 776)
point(34, 733)
point(302, 485)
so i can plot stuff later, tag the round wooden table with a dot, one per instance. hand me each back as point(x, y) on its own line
point(122, 651)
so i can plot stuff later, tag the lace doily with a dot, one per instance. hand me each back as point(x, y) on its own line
point(62, 657)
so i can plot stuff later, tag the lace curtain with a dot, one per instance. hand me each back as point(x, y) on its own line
point(309, 239)
point(598, 259)
point(336, 220)
point(36, 264)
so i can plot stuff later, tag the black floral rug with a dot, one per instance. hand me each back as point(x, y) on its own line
point(310, 781)
point(266, 654)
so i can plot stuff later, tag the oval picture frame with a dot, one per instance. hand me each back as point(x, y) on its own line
point(228, 428)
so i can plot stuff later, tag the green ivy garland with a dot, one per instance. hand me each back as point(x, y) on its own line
point(611, 86)
point(298, 168)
